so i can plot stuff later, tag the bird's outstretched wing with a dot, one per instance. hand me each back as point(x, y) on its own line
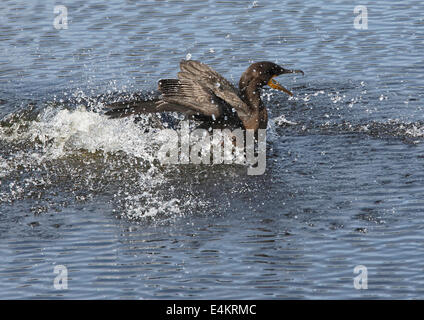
point(199, 91)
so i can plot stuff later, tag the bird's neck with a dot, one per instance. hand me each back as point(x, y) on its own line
point(251, 95)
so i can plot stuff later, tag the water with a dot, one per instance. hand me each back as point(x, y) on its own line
point(344, 180)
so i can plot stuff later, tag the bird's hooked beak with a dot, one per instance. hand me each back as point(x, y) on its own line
point(275, 85)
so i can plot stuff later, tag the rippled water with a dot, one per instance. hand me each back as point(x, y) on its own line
point(344, 179)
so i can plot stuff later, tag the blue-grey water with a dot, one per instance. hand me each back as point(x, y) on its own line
point(343, 186)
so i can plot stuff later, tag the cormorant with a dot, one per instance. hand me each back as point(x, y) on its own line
point(203, 94)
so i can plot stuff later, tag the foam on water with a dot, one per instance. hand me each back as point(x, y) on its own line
point(281, 121)
point(81, 129)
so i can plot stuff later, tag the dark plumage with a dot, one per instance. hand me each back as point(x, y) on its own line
point(203, 94)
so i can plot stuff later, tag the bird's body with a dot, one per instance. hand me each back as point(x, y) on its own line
point(203, 94)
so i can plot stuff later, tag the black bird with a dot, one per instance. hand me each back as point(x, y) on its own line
point(203, 94)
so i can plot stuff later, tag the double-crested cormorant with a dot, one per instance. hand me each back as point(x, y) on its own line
point(203, 94)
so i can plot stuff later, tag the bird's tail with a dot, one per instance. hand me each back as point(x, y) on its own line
point(128, 108)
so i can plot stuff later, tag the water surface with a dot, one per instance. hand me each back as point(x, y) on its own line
point(345, 156)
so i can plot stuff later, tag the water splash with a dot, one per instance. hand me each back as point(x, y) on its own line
point(86, 154)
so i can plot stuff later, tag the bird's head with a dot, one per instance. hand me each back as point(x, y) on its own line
point(263, 73)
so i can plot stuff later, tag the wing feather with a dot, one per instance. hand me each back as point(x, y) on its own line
point(201, 73)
